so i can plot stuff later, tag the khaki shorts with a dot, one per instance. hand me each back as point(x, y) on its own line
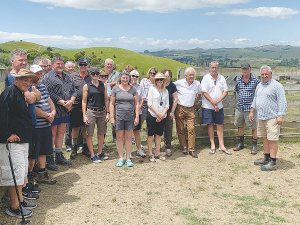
point(96, 117)
point(19, 157)
point(241, 118)
point(269, 129)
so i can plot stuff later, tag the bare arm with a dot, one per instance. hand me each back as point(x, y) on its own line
point(137, 111)
point(84, 100)
point(106, 100)
point(112, 110)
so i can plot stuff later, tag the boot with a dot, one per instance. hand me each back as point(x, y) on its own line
point(262, 161)
point(73, 152)
point(85, 151)
point(45, 178)
point(254, 147)
point(61, 160)
point(271, 165)
point(50, 163)
point(240, 145)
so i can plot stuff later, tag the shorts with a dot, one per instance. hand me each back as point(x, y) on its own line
point(124, 125)
point(241, 118)
point(61, 120)
point(144, 111)
point(139, 126)
point(42, 142)
point(96, 117)
point(76, 117)
point(155, 127)
point(19, 156)
point(269, 129)
point(209, 116)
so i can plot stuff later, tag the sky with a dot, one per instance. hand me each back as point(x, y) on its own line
point(140, 25)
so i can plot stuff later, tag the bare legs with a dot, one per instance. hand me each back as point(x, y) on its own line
point(124, 136)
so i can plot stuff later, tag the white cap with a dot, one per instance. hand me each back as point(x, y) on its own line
point(36, 68)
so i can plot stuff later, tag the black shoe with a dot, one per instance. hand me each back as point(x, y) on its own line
point(51, 165)
point(28, 194)
point(17, 212)
point(33, 188)
point(85, 151)
point(28, 205)
point(73, 152)
point(61, 160)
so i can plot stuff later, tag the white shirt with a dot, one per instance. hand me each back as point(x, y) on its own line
point(155, 98)
point(214, 88)
point(187, 93)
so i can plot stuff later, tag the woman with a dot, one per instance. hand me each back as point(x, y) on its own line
point(134, 82)
point(95, 110)
point(158, 104)
point(173, 99)
point(124, 115)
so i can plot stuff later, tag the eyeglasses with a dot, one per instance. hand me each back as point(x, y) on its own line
point(93, 74)
point(160, 79)
point(82, 64)
point(134, 76)
point(104, 76)
point(152, 73)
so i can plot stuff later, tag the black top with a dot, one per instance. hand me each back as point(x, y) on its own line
point(79, 83)
point(95, 98)
point(171, 89)
point(15, 117)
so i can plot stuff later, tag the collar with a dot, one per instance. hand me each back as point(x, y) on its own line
point(269, 82)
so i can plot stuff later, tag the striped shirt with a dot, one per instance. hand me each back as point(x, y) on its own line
point(43, 104)
point(269, 100)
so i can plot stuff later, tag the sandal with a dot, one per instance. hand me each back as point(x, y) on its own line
point(151, 158)
point(225, 151)
point(212, 151)
point(129, 163)
point(120, 163)
point(160, 157)
point(168, 152)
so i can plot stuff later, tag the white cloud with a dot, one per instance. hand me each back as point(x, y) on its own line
point(134, 43)
point(142, 5)
point(273, 12)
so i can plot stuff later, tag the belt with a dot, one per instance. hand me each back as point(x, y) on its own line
point(97, 110)
point(185, 107)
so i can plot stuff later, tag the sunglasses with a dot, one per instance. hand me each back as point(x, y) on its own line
point(82, 64)
point(160, 79)
point(134, 76)
point(104, 76)
point(152, 73)
point(93, 74)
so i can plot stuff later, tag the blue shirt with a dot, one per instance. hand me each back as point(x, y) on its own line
point(43, 104)
point(245, 91)
point(269, 100)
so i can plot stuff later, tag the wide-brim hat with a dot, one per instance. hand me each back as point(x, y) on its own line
point(159, 76)
point(26, 73)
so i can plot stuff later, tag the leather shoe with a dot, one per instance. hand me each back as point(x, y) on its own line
point(193, 153)
point(185, 151)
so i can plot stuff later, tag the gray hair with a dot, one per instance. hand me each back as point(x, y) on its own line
point(187, 70)
point(109, 59)
point(38, 59)
point(16, 52)
point(213, 62)
point(69, 62)
point(126, 73)
point(265, 67)
point(134, 71)
point(57, 58)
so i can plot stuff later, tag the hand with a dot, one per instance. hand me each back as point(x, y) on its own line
point(214, 102)
point(158, 119)
point(217, 108)
point(161, 115)
point(171, 116)
point(107, 117)
point(279, 120)
point(86, 120)
point(113, 122)
point(68, 105)
point(136, 121)
point(251, 117)
point(195, 105)
point(50, 117)
point(13, 138)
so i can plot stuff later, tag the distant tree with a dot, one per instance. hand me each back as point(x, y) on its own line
point(136, 67)
point(49, 49)
point(114, 56)
point(101, 52)
point(32, 54)
point(78, 55)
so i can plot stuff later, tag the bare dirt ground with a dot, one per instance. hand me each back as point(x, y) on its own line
point(213, 189)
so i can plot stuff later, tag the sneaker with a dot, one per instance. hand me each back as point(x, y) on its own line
point(28, 194)
point(80, 147)
point(95, 159)
point(61, 160)
point(102, 156)
point(28, 205)
point(33, 188)
point(17, 212)
point(68, 148)
point(269, 166)
point(140, 152)
point(51, 165)
point(45, 178)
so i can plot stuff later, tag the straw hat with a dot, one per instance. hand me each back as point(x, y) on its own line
point(26, 73)
point(158, 76)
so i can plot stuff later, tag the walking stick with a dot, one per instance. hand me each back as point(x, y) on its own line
point(16, 187)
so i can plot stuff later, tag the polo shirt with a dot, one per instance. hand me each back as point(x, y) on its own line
point(187, 93)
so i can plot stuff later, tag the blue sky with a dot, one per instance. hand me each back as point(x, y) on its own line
point(140, 25)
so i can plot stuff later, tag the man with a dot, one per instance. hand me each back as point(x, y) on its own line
point(49, 66)
point(16, 128)
point(189, 91)
point(270, 103)
point(45, 113)
point(245, 86)
point(62, 93)
point(214, 90)
point(80, 78)
point(42, 62)
point(70, 67)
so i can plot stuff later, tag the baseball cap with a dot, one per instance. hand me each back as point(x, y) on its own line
point(82, 60)
point(245, 66)
point(94, 70)
point(36, 68)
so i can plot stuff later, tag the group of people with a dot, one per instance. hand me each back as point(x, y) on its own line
point(43, 104)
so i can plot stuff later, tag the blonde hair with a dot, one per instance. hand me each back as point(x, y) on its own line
point(163, 86)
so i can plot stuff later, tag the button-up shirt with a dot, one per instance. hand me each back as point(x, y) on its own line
point(113, 77)
point(187, 93)
point(269, 100)
point(215, 88)
point(245, 91)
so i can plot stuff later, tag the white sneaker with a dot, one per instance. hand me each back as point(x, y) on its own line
point(140, 152)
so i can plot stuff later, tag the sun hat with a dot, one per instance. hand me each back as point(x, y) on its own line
point(26, 73)
point(36, 68)
point(159, 76)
